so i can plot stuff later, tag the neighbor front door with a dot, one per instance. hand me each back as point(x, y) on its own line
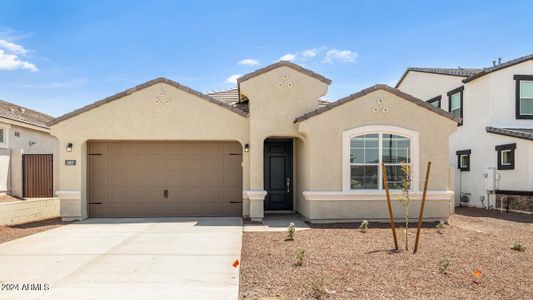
point(278, 174)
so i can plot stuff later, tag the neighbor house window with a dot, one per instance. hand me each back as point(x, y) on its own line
point(455, 102)
point(506, 156)
point(463, 159)
point(435, 101)
point(3, 137)
point(524, 96)
point(368, 151)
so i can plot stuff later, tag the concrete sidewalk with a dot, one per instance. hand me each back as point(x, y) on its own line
point(137, 258)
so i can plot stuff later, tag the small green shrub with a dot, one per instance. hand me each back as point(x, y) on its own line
point(444, 265)
point(318, 287)
point(290, 231)
point(440, 226)
point(518, 246)
point(364, 226)
point(300, 255)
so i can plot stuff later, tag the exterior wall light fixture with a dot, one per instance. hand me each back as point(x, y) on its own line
point(69, 147)
point(246, 148)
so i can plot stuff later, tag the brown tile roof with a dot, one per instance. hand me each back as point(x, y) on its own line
point(460, 72)
point(286, 64)
point(227, 96)
point(504, 65)
point(21, 114)
point(520, 133)
point(143, 86)
point(374, 88)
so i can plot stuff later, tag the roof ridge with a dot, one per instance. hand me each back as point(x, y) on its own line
point(283, 63)
point(373, 88)
point(503, 65)
point(27, 109)
point(138, 88)
point(222, 90)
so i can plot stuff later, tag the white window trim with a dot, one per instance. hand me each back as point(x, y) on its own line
point(501, 157)
point(347, 136)
point(5, 144)
point(520, 97)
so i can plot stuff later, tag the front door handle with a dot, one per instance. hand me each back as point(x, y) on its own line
point(165, 193)
point(288, 184)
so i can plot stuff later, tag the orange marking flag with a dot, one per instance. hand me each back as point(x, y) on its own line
point(236, 263)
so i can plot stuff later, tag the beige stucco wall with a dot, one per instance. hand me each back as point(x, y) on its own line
point(11, 155)
point(276, 99)
point(324, 138)
point(138, 117)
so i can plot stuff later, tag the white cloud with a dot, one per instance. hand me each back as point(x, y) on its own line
point(310, 53)
point(13, 62)
point(336, 55)
point(12, 47)
point(249, 62)
point(9, 57)
point(288, 56)
point(233, 78)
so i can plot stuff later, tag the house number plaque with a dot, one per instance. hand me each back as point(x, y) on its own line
point(70, 162)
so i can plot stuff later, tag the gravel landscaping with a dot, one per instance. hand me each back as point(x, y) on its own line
point(340, 262)
point(11, 232)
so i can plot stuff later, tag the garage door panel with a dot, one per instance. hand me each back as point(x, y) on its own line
point(130, 179)
point(214, 161)
point(195, 161)
point(176, 161)
point(176, 178)
point(195, 178)
point(232, 148)
point(214, 178)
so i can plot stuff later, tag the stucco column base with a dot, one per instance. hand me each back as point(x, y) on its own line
point(257, 199)
point(70, 205)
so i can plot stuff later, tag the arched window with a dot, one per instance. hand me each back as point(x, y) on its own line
point(366, 148)
point(368, 151)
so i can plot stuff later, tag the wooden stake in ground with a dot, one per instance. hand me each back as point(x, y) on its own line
point(422, 205)
point(391, 215)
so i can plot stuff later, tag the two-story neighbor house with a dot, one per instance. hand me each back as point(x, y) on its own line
point(493, 147)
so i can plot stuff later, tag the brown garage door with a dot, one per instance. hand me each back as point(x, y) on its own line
point(139, 179)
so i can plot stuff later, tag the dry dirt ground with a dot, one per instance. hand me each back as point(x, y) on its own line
point(343, 263)
point(11, 232)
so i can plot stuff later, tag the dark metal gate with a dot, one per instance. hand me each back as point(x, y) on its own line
point(37, 175)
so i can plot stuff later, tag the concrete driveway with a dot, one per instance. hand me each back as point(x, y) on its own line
point(138, 258)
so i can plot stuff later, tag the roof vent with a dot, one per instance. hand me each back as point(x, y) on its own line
point(12, 110)
point(22, 110)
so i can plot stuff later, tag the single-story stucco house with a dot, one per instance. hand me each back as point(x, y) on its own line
point(271, 145)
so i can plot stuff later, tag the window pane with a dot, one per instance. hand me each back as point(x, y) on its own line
point(526, 106)
point(435, 103)
point(396, 149)
point(364, 177)
point(526, 89)
point(456, 101)
point(1, 135)
point(394, 177)
point(506, 157)
point(364, 149)
point(465, 161)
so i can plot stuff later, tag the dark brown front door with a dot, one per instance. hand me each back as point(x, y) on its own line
point(278, 174)
point(38, 175)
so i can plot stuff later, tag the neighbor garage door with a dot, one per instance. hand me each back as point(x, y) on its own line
point(139, 179)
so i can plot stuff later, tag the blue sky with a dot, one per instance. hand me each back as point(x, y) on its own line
point(56, 56)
